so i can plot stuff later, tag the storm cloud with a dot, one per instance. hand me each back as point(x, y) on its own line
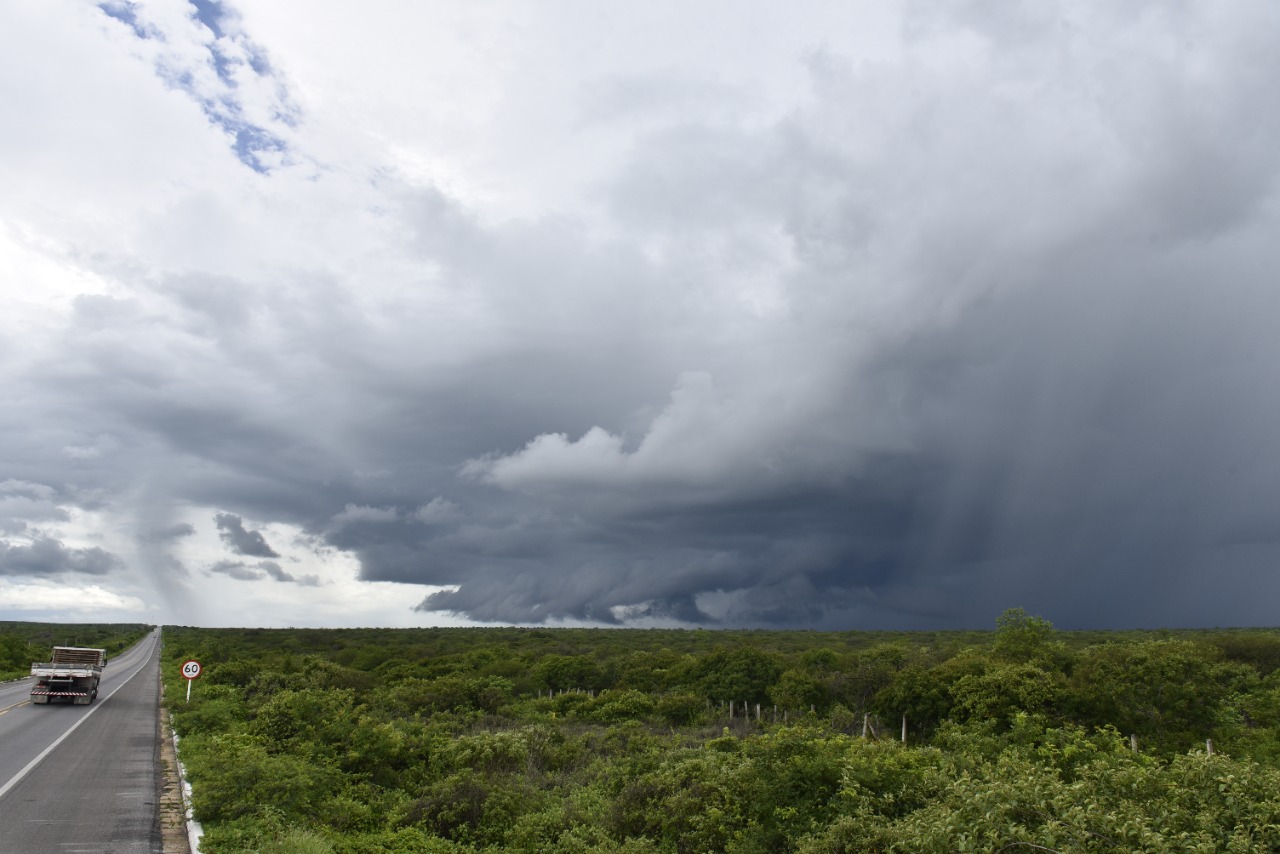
point(864, 315)
point(47, 556)
point(240, 540)
point(261, 571)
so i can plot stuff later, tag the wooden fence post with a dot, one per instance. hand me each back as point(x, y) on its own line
point(1208, 746)
point(1133, 742)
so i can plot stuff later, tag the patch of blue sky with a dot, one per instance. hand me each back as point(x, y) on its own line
point(126, 12)
point(257, 60)
point(255, 145)
point(210, 13)
point(252, 142)
point(223, 65)
point(289, 117)
point(180, 79)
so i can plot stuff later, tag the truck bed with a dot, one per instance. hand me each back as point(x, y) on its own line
point(51, 670)
point(79, 655)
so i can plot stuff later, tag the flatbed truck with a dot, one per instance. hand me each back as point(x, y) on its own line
point(72, 675)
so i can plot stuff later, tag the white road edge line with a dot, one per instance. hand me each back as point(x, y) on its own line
point(17, 778)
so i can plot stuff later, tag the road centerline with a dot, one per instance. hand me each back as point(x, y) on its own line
point(17, 778)
point(15, 705)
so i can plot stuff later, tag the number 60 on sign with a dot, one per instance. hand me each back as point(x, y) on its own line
point(190, 672)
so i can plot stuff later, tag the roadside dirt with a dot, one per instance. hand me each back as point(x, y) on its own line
point(169, 806)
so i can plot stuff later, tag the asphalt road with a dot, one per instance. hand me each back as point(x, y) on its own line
point(83, 779)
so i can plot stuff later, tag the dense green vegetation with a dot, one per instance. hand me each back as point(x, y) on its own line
point(468, 740)
point(24, 643)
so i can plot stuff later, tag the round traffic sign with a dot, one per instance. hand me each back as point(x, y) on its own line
point(191, 669)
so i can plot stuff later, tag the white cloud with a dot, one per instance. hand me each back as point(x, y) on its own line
point(703, 439)
point(79, 601)
point(437, 510)
point(26, 489)
point(355, 513)
point(23, 503)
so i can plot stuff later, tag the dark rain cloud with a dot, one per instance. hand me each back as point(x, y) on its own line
point(24, 503)
point(47, 556)
point(237, 570)
point(276, 572)
point(1070, 414)
point(241, 541)
point(261, 571)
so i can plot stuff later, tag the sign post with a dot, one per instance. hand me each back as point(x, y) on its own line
point(190, 672)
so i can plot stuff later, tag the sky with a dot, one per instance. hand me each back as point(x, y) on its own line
point(830, 315)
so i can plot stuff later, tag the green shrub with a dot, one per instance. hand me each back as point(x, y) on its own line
point(234, 776)
point(615, 706)
point(368, 741)
point(681, 708)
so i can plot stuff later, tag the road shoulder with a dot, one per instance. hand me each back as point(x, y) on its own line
point(171, 812)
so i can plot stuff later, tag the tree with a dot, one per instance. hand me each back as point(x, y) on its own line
point(566, 672)
point(1170, 691)
point(798, 689)
point(743, 673)
point(867, 673)
point(1004, 689)
point(1023, 637)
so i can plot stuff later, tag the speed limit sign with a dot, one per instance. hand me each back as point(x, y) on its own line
point(190, 672)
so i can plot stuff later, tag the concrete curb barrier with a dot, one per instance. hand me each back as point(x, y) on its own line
point(194, 830)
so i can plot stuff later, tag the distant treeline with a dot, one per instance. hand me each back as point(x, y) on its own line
point(463, 740)
point(24, 643)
